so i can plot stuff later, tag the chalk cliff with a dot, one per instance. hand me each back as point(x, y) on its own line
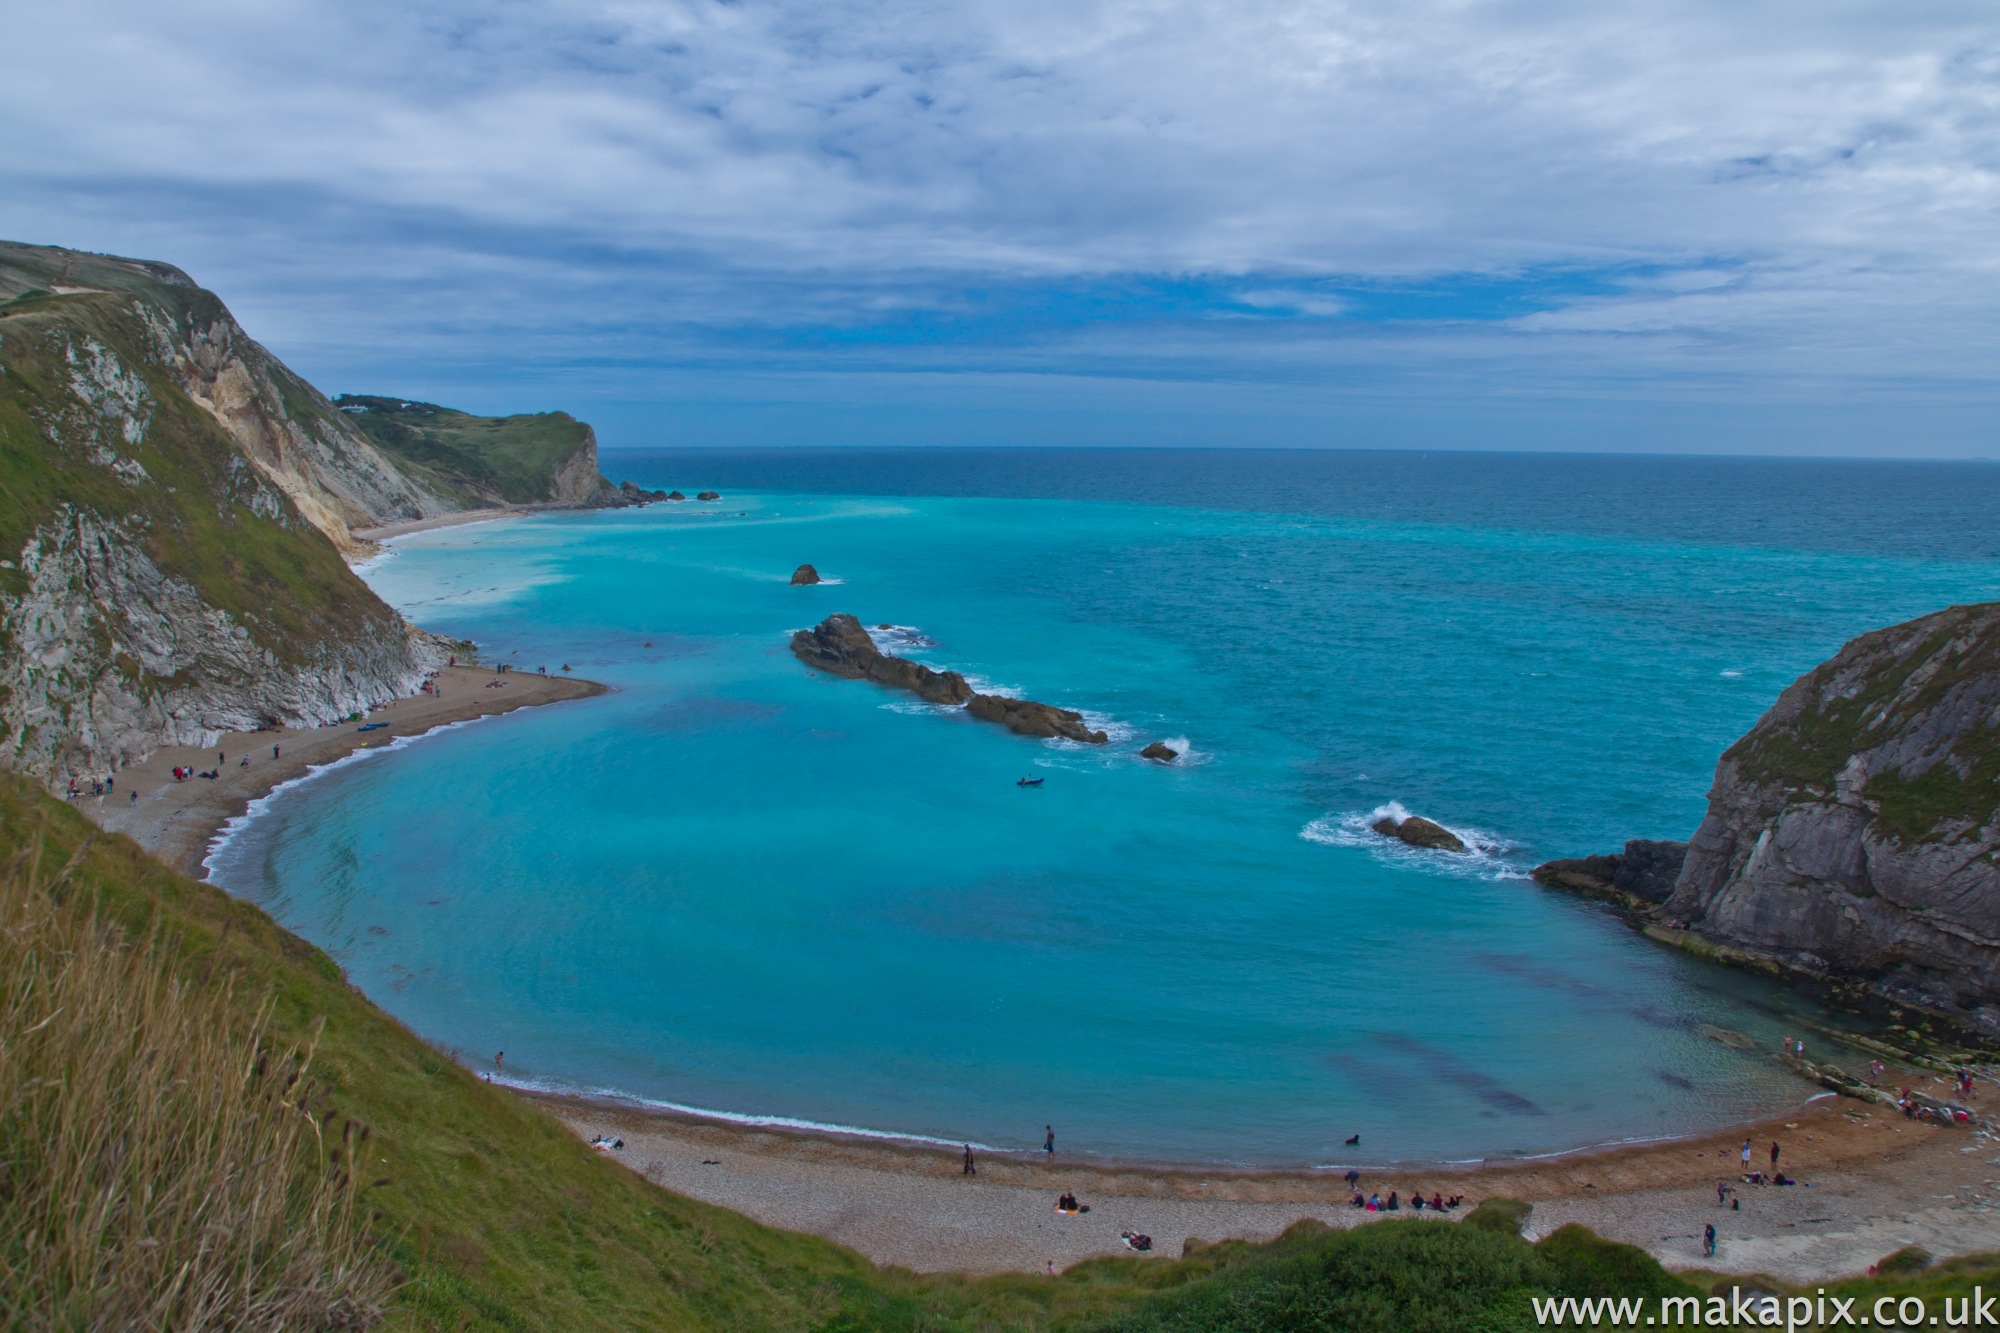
point(175, 506)
point(1853, 831)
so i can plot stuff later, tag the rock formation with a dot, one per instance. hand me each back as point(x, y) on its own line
point(709, 495)
point(841, 646)
point(1853, 830)
point(1029, 718)
point(1419, 832)
point(675, 495)
point(1160, 751)
point(1641, 876)
point(179, 506)
point(804, 576)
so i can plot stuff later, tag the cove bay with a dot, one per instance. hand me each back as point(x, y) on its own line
point(735, 885)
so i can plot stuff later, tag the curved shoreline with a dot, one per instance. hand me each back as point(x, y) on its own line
point(180, 821)
point(1874, 1184)
point(900, 1200)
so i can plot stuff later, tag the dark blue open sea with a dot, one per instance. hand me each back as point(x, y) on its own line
point(738, 886)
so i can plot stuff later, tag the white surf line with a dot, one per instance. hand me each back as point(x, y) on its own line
point(261, 805)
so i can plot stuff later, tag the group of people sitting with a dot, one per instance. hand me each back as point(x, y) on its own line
point(1374, 1203)
point(183, 774)
point(1915, 1109)
point(1067, 1205)
point(101, 787)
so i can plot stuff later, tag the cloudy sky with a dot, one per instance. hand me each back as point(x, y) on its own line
point(1650, 224)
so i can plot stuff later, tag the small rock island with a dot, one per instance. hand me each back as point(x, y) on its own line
point(804, 576)
point(1419, 832)
point(1160, 753)
point(840, 646)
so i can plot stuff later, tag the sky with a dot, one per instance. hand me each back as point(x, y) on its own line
point(1659, 225)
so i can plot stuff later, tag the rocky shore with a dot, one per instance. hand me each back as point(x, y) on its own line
point(840, 646)
point(1852, 840)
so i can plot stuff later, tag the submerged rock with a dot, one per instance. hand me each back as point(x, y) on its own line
point(1165, 754)
point(841, 646)
point(675, 495)
point(804, 576)
point(1420, 832)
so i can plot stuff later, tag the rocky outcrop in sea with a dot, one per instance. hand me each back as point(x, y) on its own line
point(1419, 832)
point(1639, 877)
point(804, 576)
point(840, 646)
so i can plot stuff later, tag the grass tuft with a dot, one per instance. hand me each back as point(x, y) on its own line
point(161, 1162)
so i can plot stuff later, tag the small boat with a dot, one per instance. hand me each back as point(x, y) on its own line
point(1029, 782)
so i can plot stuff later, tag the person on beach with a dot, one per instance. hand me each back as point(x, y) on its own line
point(1721, 1193)
point(1374, 1203)
point(500, 1062)
point(970, 1168)
point(1746, 1154)
point(1708, 1241)
point(1437, 1203)
point(220, 758)
point(1392, 1206)
point(1353, 1177)
point(274, 752)
point(135, 798)
point(1049, 1143)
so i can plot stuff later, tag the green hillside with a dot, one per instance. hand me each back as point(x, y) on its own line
point(478, 459)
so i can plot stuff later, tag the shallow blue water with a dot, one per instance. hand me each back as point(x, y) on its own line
point(736, 885)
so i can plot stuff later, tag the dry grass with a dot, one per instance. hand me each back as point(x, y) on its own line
point(161, 1165)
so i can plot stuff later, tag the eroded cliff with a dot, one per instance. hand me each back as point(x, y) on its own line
point(1853, 831)
point(174, 510)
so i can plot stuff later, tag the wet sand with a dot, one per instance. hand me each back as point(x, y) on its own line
point(175, 821)
point(1877, 1182)
point(389, 530)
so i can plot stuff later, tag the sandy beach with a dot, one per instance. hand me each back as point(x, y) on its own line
point(1872, 1183)
point(388, 530)
point(175, 820)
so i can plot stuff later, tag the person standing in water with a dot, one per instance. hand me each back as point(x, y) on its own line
point(1049, 1144)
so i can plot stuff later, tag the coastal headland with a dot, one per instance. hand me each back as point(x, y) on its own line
point(177, 819)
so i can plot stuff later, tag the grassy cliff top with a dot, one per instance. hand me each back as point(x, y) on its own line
point(485, 459)
point(1917, 703)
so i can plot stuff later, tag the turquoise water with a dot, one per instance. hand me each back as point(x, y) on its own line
point(735, 885)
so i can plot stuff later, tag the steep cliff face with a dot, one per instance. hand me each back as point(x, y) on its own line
point(333, 474)
point(174, 507)
point(1854, 831)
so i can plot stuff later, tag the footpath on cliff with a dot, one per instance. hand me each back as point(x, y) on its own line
point(176, 819)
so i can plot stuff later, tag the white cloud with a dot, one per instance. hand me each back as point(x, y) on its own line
point(1819, 177)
